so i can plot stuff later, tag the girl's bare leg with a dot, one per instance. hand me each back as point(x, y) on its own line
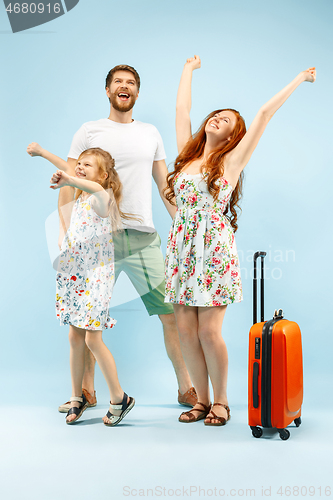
point(210, 321)
point(89, 371)
point(187, 324)
point(108, 367)
point(76, 357)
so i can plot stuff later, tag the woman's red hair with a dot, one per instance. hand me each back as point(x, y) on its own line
point(194, 149)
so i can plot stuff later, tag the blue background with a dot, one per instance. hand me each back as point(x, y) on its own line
point(53, 79)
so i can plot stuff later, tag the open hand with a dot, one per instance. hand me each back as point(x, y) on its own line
point(310, 75)
point(34, 149)
point(59, 179)
point(193, 62)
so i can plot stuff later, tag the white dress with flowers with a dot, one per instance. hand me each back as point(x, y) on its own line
point(85, 274)
point(202, 266)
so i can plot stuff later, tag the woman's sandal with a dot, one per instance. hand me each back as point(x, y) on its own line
point(124, 406)
point(192, 418)
point(77, 411)
point(221, 420)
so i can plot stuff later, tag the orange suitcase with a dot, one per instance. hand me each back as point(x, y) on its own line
point(275, 391)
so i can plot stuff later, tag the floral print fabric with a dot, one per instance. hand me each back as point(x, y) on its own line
point(85, 275)
point(202, 266)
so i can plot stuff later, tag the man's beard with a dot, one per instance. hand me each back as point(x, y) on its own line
point(122, 106)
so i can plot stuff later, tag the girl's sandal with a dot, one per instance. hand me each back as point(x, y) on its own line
point(192, 418)
point(221, 420)
point(77, 411)
point(124, 406)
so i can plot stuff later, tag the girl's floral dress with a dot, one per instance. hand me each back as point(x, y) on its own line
point(202, 266)
point(85, 275)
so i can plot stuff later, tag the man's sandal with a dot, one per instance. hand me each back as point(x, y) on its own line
point(189, 398)
point(77, 411)
point(221, 420)
point(124, 406)
point(192, 418)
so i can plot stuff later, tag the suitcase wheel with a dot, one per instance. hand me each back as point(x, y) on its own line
point(298, 421)
point(256, 432)
point(284, 434)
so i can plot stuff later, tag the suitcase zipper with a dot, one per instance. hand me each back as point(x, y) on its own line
point(266, 375)
point(266, 380)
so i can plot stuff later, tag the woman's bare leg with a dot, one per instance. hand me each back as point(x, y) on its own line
point(210, 321)
point(187, 324)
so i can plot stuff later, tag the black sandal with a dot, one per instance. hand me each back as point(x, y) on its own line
point(77, 411)
point(123, 406)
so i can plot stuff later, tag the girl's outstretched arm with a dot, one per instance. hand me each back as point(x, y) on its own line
point(101, 198)
point(35, 149)
point(183, 104)
point(236, 160)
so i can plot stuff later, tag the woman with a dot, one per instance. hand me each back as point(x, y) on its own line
point(202, 267)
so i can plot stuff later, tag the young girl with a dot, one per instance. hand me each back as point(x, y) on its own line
point(86, 271)
point(202, 267)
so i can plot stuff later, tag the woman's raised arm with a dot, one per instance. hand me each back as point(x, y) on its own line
point(236, 160)
point(183, 104)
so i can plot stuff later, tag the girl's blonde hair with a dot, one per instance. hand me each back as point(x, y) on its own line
point(111, 184)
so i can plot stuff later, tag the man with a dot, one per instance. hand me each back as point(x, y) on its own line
point(139, 155)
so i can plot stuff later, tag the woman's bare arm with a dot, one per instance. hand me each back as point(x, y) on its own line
point(183, 104)
point(237, 159)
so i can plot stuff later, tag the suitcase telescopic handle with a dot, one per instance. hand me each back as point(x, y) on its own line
point(256, 256)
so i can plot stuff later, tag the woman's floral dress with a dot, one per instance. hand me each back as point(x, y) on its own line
point(85, 275)
point(202, 266)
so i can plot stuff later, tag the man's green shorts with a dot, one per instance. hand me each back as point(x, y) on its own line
point(139, 255)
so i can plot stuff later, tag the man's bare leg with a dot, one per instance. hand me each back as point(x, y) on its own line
point(172, 345)
point(89, 371)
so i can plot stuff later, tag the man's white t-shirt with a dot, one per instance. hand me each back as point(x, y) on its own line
point(134, 147)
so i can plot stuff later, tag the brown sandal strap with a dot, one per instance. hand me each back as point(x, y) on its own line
point(192, 416)
point(224, 406)
point(216, 417)
point(206, 408)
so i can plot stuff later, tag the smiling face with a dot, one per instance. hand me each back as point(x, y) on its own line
point(87, 168)
point(123, 91)
point(220, 126)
